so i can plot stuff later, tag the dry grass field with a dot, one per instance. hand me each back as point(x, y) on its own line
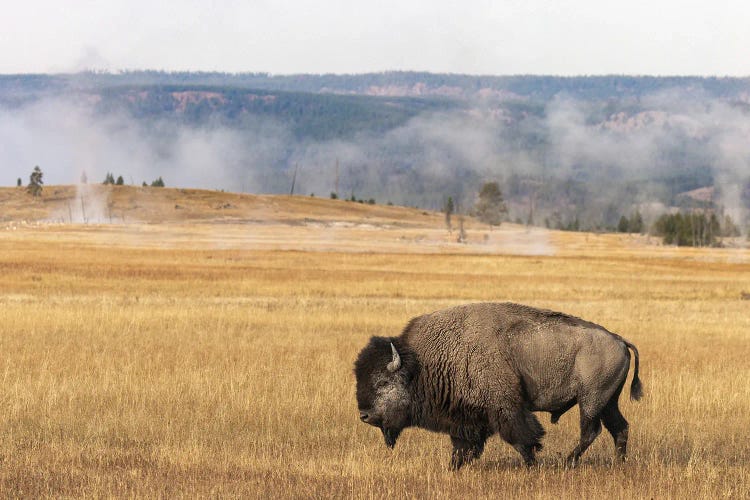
point(214, 357)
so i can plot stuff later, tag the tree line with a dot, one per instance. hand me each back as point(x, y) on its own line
point(36, 182)
point(697, 227)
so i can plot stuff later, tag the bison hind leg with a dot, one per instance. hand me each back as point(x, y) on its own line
point(590, 429)
point(617, 427)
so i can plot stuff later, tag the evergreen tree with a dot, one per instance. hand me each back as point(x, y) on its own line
point(19, 182)
point(635, 224)
point(623, 226)
point(491, 208)
point(120, 181)
point(158, 183)
point(35, 182)
point(109, 179)
point(689, 229)
point(449, 208)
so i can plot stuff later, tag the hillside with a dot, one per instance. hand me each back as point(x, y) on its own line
point(105, 204)
point(146, 217)
point(149, 217)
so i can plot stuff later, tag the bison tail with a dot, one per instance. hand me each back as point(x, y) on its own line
point(636, 387)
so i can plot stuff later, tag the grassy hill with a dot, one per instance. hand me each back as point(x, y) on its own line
point(130, 216)
point(96, 203)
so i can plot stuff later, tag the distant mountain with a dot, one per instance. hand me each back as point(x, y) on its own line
point(311, 115)
point(399, 84)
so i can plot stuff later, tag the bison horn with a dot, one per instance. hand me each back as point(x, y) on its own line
point(395, 364)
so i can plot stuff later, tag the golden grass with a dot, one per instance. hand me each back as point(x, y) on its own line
point(205, 360)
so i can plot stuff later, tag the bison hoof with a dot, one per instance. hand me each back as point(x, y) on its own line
point(455, 465)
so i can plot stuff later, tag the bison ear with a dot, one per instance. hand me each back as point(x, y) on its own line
point(395, 363)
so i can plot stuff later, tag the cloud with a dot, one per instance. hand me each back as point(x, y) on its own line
point(91, 60)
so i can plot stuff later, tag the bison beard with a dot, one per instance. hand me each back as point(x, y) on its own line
point(482, 369)
point(390, 435)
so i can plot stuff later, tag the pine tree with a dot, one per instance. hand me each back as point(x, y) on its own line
point(623, 226)
point(491, 208)
point(635, 224)
point(35, 182)
point(449, 208)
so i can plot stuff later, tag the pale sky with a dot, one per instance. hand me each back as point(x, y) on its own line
point(580, 37)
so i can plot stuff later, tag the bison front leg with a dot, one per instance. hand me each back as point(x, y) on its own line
point(522, 431)
point(465, 451)
point(528, 452)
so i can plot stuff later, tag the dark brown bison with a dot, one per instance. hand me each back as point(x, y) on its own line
point(479, 369)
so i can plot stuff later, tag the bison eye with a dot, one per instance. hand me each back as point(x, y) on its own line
point(381, 384)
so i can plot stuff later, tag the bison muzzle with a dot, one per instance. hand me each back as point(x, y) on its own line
point(476, 370)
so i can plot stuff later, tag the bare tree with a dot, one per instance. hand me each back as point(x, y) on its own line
point(461, 232)
point(83, 210)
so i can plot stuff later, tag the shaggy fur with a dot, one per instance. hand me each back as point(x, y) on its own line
point(482, 369)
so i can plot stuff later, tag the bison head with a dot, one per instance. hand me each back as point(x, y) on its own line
point(384, 374)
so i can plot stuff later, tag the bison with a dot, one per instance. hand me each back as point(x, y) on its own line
point(475, 370)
